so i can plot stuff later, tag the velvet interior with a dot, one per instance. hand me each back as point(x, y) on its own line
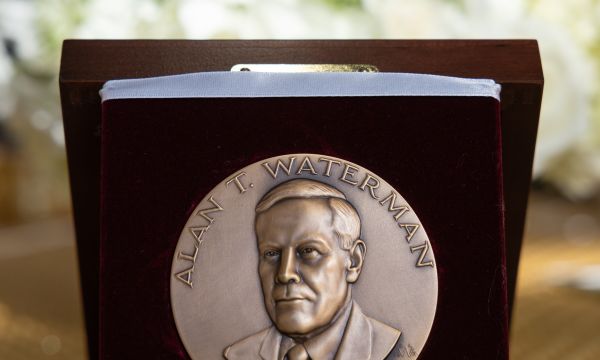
point(160, 157)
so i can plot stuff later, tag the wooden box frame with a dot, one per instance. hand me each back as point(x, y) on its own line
point(87, 64)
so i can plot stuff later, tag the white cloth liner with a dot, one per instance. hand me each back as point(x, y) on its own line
point(247, 84)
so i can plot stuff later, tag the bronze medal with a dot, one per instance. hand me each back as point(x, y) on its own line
point(304, 256)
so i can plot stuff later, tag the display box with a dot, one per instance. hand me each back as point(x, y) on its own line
point(437, 175)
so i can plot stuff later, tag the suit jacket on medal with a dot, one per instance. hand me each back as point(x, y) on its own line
point(364, 339)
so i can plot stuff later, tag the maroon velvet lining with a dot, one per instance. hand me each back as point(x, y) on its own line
point(160, 157)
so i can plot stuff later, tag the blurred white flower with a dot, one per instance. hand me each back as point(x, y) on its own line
point(108, 19)
point(410, 19)
point(572, 145)
point(577, 171)
point(13, 16)
point(581, 16)
point(126, 19)
point(566, 107)
point(103, 19)
point(17, 24)
point(272, 19)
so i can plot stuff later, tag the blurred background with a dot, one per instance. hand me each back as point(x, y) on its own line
point(557, 311)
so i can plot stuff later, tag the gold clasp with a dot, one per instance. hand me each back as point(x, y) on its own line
point(290, 68)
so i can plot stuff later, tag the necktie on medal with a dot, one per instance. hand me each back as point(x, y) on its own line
point(298, 352)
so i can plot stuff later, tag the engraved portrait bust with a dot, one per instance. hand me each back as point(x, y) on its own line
point(310, 255)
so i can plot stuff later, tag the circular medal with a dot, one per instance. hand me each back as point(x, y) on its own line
point(304, 256)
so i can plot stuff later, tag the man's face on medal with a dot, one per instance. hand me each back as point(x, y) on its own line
point(305, 274)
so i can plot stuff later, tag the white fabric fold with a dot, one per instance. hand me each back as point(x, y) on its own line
point(243, 84)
